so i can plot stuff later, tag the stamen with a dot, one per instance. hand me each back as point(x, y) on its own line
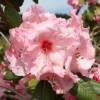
point(46, 46)
point(77, 55)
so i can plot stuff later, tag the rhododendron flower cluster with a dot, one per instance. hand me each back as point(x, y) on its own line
point(19, 88)
point(68, 96)
point(3, 85)
point(50, 48)
point(73, 2)
point(92, 1)
point(95, 73)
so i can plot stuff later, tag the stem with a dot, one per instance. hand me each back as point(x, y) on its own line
point(78, 10)
point(95, 28)
point(5, 38)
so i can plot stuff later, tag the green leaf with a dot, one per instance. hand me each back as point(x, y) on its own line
point(44, 91)
point(96, 86)
point(89, 15)
point(11, 76)
point(36, 1)
point(62, 16)
point(14, 2)
point(17, 2)
point(88, 19)
point(83, 90)
point(92, 83)
point(12, 16)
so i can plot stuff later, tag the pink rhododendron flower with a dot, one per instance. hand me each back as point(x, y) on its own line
point(98, 60)
point(95, 73)
point(44, 45)
point(97, 18)
point(69, 96)
point(73, 2)
point(59, 83)
point(83, 57)
point(4, 84)
point(21, 88)
point(2, 89)
point(92, 1)
point(36, 14)
point(40, 48)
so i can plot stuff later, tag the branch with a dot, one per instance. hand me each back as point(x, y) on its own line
point(5, 38)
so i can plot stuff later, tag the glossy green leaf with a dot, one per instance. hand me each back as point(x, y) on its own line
point(17, 2)
point(96, 86)
point(11, 76)
point(12, 16)
point(44, 91)
point(88, 19)
point(36, 1)
point(84, 90)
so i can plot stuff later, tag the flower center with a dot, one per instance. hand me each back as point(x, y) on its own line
point(46, 46)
